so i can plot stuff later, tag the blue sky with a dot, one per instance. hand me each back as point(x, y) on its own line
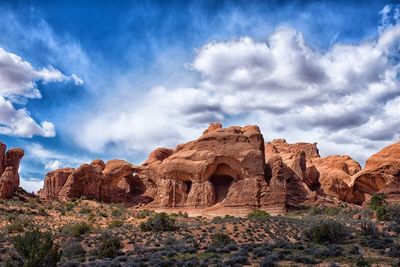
point(99, 79)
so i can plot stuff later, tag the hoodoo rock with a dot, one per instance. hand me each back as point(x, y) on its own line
point(9, 165)
point(381, 175)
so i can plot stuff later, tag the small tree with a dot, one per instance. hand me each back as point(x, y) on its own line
point(110, 245)
point(258, 215)
point(36, 249)
point(221, 239)
point(160, 222)
point(328, 231)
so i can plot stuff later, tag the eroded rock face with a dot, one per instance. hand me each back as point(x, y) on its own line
point(381, 175)
point(112, 182)
point(333, 174)
point(223, 166)
point(9, 165)
point(285, 188)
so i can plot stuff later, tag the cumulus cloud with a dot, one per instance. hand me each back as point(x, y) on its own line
point(31, 185)
point(18, 80)
point(52, 159)
point(53, 165)
point(348, 96)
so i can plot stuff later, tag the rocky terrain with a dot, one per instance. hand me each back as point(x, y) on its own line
point(208, 202)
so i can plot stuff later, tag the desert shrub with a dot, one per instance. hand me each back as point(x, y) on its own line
point(116, 224)
point(42, 212)
point(118, 211)
point(160, 222)
point(85, 210)
point(73, 250)
point(69, 205)
point(144, 213)
point(258, 215)
point(382, 213)
point(110, 245)
point(76, 229)
point(377, 201)
point(327, 231)
point(36, 249)
point(18, 225)
point(324, 210)
point(221, 240)
point(369, 229)
point(379, 205)
point(361, 262)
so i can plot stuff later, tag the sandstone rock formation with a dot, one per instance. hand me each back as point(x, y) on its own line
point(112, 182)
point(333, 174)
point(230, 167)
point(381, 175)
point(9, 165)
point(223, 166)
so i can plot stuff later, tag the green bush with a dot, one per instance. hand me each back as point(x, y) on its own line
point(18, 225)
point(328, 231)
point(116, 224)
point(118, 211)
point(76, 229)
point(377, 201)
point(145, 213)
point(109, 245)
point(258, 215)
point(160, 222)
point(221, 240)
point(85, 210)
point(36, 249)
point(324, 210)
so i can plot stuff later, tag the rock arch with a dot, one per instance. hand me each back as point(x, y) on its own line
point(222, 174)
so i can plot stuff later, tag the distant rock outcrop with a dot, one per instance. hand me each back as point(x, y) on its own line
point(112, 182)
point(9, 165)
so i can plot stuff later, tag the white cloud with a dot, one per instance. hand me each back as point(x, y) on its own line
point(53, 165)
point(31, 185)
point(52, 159)
point(18, 80)
point(346, 97)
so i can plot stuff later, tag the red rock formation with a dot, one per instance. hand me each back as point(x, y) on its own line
point(285, 189)
point(333, 173)
point(222, 166)
point(226, 167)
point(112, 182)
point(381, 175)
point(9, 165)
point(54, 181)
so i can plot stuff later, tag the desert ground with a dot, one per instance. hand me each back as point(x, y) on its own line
point(82, 232)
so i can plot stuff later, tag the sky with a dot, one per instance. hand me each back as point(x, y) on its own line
point(81, 80)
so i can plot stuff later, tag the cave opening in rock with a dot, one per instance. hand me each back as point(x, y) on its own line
point(221, 185)
point(188, 185)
